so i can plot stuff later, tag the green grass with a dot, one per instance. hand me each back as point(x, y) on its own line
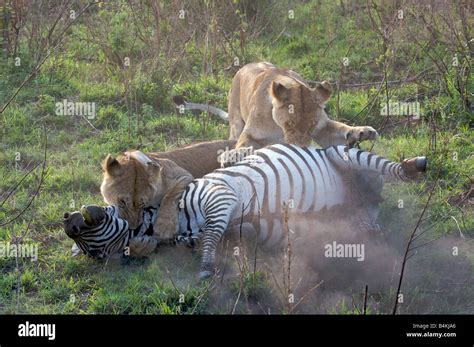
point(58, 283)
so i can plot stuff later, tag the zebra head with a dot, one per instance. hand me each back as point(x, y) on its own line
point(98, 231)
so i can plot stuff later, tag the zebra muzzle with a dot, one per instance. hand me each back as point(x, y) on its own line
point(73, 223)
point(88, 217)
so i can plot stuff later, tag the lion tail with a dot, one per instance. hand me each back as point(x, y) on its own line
point(182, 104)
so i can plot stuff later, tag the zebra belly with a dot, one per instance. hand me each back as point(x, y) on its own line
point(270, 226)
point(271, 231)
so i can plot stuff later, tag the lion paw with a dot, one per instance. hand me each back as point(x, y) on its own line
point(358, 134)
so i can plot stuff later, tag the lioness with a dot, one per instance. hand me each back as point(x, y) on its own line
point(268, 105)
point(135, 180)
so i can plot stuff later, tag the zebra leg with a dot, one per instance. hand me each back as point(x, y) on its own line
point(218, 211)
point(365, 194)
point(354, 159)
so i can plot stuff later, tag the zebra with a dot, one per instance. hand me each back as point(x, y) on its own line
point(99, 232)
point(253, 192)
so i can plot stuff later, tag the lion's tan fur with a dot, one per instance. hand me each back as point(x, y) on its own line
point(131, 183)
point(269, 105)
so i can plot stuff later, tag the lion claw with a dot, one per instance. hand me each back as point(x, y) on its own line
point(362, 133)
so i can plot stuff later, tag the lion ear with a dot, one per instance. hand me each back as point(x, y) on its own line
point(280, 91)
point(324, 91)
point(111, 166)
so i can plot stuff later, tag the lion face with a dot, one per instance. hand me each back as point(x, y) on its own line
point(298, 109)
point(131, 182)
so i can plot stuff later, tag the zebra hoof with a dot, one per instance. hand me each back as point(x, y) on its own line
point(421, 163)
point(412, 167)
point(205, 274)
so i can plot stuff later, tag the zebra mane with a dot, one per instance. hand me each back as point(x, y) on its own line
point(112, 217)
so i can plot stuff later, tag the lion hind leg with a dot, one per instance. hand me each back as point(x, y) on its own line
point(236, 125)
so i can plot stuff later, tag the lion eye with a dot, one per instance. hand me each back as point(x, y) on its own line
point(122, 203)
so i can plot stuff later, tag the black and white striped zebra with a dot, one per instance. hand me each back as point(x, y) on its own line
point(99, 232)
point(311, 182)
point(253, 191)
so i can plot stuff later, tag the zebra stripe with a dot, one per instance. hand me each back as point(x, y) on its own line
point(358, 157)
point(312, 178)
point(112, 235)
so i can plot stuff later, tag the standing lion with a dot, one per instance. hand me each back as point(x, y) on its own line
point(268, 105)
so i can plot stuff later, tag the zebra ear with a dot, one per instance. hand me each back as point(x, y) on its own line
point(111, 166)
point(75, 250)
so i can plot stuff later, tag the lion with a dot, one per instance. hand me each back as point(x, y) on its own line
point(268, 105)
point(135, 180)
